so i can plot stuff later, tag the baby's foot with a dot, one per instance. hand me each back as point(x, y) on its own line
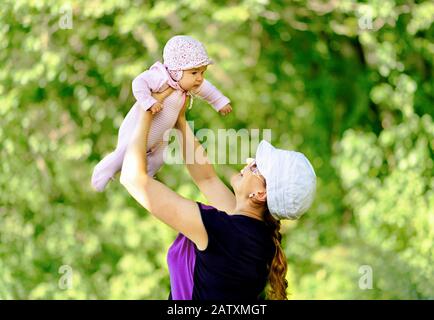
point(103, 173)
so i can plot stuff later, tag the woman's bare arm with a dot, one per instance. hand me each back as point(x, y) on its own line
point(179, 213)
point(202, 171)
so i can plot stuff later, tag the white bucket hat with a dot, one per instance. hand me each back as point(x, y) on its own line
point(290, 181)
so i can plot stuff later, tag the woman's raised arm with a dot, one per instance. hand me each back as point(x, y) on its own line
point(201, 170)
point(177, 212)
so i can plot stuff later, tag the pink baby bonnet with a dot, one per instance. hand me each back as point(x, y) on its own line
point(182, 53)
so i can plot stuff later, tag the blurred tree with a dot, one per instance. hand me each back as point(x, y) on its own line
point(347, 83)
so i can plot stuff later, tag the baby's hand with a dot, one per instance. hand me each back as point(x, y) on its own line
point(225, 110)
point(156, 107)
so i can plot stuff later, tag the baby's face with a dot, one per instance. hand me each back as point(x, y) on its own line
point(192, 78)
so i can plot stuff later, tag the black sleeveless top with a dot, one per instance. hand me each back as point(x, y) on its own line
point(233, 266)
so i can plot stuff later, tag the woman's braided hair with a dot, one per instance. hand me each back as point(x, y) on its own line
point(277, 283)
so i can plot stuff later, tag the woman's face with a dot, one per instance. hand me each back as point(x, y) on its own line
point(192, 78)
point(248, 181)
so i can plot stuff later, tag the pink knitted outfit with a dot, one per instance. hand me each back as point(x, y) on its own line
point(180, 53)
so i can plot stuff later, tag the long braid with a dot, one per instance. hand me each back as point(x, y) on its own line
point(277, 275)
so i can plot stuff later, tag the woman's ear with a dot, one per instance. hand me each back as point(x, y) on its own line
point(261, 196)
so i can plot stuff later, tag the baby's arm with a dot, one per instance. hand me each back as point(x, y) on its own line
point(214, 97)
point(144, 85)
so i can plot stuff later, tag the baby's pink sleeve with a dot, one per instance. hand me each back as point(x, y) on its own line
point(144, 84)
point(212, 95)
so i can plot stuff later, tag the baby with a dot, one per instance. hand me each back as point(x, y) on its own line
point(184, 62)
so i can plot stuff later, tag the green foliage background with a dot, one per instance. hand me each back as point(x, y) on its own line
point(356, 98)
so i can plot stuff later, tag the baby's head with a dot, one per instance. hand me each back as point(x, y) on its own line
point(186, 60)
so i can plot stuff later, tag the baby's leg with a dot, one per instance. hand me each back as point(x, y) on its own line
point(155, 159)
point(112, 163)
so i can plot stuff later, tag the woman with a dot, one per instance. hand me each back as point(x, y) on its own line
point(231, 248)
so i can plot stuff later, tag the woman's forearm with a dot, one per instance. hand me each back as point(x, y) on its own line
point(194, 154)
point(134, 164)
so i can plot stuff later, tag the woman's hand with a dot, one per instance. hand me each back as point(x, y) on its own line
point(160, 96)
point(135, 163)
point(156, 107)
point(181, 117)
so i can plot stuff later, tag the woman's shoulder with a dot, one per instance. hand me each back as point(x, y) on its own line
point(209, 212)
point(208, 208)
point(212, 214)
point(234, 232)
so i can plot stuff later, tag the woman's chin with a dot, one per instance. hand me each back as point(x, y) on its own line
point(235, 179)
